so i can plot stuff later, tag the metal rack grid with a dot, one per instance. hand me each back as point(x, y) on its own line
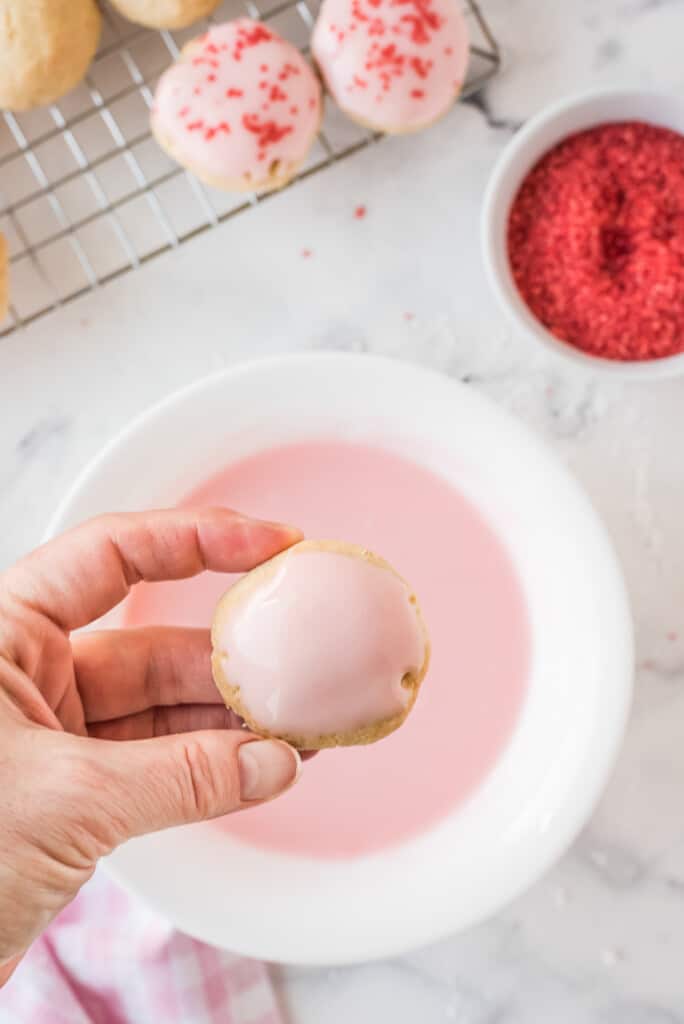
point(86, 194)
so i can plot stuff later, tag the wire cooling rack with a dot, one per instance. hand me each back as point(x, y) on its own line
point(87, 195)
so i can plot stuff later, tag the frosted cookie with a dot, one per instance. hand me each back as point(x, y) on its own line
point(392, 65)
point(165, 13)
point(46, 47)
point(322, 646)
point(4, 278)
point(240, 108)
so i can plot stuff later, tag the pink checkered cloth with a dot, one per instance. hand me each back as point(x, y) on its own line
point(108, 960)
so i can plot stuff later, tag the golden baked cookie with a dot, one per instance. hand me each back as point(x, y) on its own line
point(323, 646)
point(165, 13)
point(46, 47)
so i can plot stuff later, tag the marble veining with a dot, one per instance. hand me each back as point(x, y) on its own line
point(600, 939)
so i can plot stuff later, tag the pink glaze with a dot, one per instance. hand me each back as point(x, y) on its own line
point(360, 799)
point(239, 99)
point(394, 65)
point(322, 645)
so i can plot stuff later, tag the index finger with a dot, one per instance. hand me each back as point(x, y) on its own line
point(82, 574)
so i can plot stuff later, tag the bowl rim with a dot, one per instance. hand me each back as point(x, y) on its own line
point(543, 848)
point(494, 249)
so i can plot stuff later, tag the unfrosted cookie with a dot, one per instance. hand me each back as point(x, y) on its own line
point(165, 13)
point(322, 646)
point(240, 108)
point(46, 47)
point(392, 65)
point(4, 278)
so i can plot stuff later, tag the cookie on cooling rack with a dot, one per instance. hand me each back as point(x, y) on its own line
point(165, 13)
point(392, 66)
point(322, 646)
point(240, 108)
point(46, 47)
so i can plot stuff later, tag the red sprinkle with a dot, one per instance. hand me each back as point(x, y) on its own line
point(360, 212)
point(417, 94)
point(276, 94)
point(596, 241)
point(222, 126)
point(234, 92)
point(306, 254)
point(268, 132)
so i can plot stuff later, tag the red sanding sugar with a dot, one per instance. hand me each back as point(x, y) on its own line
point(596, 241)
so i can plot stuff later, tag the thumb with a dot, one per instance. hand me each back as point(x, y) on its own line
point(174, 780)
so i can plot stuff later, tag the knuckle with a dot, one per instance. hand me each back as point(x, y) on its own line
point(202, 785)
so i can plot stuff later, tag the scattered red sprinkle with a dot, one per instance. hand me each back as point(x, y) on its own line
point(197, 91)
point(222, 126)
point(417, 94)
point(276, 94)
point(263, 68)
point(306, 254)
point(230, 93)
point(361, 82)
point(360, 212)
point(205, 60)
point(312, 103)
point(194, 126)
point(448, 50)
point(253, 36)
point(211, 48)
point(184, 111)
point(421, 67)
point(422, 20)
point(211, 78)
point(294, 110)
point(268, 132)
point(596, 241)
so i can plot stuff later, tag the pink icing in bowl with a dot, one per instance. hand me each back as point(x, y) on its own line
point(247, 894)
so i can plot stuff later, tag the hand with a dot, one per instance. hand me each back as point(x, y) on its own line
point(69, 790)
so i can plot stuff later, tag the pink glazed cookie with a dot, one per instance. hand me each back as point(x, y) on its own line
point(392, 65)
point(240, 108)
point(322, 646)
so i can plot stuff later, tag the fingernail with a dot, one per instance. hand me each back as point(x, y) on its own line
point(269, 524)
point(267, 768)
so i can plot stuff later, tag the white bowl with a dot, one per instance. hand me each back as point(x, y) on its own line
point(547, 780)
point(538, 136)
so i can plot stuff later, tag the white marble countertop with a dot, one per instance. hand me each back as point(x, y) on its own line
point(601, 938)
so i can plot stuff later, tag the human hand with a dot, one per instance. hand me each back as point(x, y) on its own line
point(70, 791)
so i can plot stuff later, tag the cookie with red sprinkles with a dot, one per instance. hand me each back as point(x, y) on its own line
point(240, 108)
point(596, 241)
point(392, 65)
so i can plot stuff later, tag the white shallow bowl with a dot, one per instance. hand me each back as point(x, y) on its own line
point(547, 780)
point(538, 136)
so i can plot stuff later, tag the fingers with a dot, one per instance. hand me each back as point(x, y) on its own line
point(125, 671)
point(151, 784)
point(82, 574)
point(166, 722)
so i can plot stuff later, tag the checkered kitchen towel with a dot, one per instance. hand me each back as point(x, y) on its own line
point(108, 960)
